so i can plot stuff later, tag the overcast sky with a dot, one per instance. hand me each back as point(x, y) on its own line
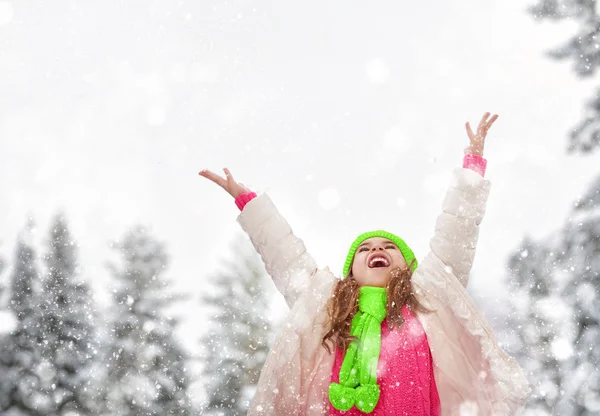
point(349, 114)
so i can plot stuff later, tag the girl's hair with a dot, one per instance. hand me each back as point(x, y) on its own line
point(343, 305)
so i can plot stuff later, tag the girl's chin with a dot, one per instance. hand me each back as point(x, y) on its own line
point(379, 270)
point(376, 279)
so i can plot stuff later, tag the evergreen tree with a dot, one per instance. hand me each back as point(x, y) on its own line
point(576, 246)
point(25, 275)
point(3, 291)
point(237, 339)
point(66, 316)
point(20, 350)
point(555, 285)
point(533, 324)
point(147, 374)
point(579, 259)
point(2, 287)
point(582, 49)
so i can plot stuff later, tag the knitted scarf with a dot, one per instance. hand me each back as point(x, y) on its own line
point(358, 374)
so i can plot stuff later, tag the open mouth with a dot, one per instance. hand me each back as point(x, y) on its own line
point(378, 262)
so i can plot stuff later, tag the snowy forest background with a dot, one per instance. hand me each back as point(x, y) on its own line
point(82, 340)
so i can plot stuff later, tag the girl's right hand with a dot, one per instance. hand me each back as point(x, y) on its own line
point(229, 184)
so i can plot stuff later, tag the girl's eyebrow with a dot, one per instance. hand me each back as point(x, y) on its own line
point(386, 242)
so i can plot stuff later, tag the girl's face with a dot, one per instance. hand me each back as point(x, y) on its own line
point(373, 261)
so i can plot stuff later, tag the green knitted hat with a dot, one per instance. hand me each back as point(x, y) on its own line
point(404, 249)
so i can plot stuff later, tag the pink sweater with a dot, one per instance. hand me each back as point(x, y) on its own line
point(405, 369)
point(404, 372)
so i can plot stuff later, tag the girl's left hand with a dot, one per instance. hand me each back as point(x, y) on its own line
point(478, 140)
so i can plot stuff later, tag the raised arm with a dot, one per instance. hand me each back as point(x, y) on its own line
point(457, 228)
point(284, 255)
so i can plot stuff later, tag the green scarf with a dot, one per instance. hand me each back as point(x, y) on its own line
point(358, 374)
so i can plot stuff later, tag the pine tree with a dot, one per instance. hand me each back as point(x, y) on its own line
point(2, 288)
point(66, 317)
point(555, 285)
point(3, 291)
point(237, 340)
point(576, 245)
point(533, 324)
point(25, 275)
point(582, 49)
point(580, 270)
point(147, 374)
point(20, 349)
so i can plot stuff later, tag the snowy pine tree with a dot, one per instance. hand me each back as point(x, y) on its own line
point(3, 293)
point(579, 258)
point(556, 287)
point(534, 325)
point(25, 276)
point(237, 339)
point(147, 374)
point(582, 49)
point(2, 287)
point(20, 349)
point(66, 316)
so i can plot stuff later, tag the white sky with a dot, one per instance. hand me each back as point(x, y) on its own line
point(351, 116)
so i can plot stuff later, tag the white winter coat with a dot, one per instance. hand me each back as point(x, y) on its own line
point(471, 370)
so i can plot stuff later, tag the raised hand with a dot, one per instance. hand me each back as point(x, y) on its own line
point(229, 184)
point(477, 141)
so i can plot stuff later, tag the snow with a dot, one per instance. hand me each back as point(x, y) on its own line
point(592, 401)
point(8, 322)
point(562, 349)
point(329, 198)
point(586, 293)
point(435, 183)
point(204, 73)
point(156, 115)
point(552, 308)
point(113, 107)
point(6, 12)
point(397, 140)
point(377, 71)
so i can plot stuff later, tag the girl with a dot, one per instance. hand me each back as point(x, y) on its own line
point(391, 337)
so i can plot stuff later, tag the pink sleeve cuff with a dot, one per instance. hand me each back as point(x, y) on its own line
point(243, 199)
point(475, 163)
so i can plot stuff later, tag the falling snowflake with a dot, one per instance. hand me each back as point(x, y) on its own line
point(6, 12)
point(378, 71)
point(329, 198)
